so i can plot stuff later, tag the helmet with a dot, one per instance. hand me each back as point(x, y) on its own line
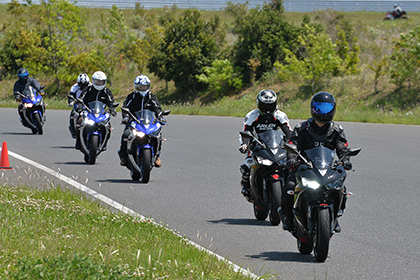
point(395, 5)
point(267, 101)
point(23, 74)
point(83, 80)
point(142, 85)
point(99, 80)
point(323, 107)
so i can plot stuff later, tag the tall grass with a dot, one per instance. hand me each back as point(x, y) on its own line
point(58, 234)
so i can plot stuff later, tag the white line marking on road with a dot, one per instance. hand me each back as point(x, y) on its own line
point(122, 208)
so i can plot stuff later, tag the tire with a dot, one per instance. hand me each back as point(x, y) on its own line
point(275, 203)
point(145, 164)
point(93, 150)
point(304, 248)
point(135, 175)
point(260, 214)
point(323, 237)
point(86, 157)
point(38, 124)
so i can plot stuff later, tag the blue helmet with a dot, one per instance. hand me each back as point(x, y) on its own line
point(22, 74)
point(323, 107)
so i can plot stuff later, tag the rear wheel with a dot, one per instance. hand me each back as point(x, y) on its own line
point(146, 164)
point(93, 150)
point(275, 203)
point(259, 213)
point(38, 124)
point(322, 240)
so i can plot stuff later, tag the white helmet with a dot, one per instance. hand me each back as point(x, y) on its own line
point(142, 85)
point(83, 80)
point(99, 80)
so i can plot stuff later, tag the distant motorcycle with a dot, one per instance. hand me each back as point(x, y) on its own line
point(318, 196)
point(391, 15)
point(33, 109)
point(142, 143)
point(94, 128)
point(268, 173)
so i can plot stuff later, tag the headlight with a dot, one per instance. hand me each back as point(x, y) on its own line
point(310, 184)
point(90, 122)
point(138, 133)
point(29, 105)
point(264, 161)
point(336, 185)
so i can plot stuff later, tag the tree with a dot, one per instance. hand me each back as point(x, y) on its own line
point(263, 35)
point(188, 45)
point(59, 25)
point(319, 59)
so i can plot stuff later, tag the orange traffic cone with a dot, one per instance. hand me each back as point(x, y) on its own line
point(4, 161)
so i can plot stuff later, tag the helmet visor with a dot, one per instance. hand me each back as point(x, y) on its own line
point(100, 82)
point(323, 108)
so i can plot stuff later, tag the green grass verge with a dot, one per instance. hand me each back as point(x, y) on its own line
point(57, 234)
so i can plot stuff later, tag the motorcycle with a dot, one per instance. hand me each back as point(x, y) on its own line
point(391, 15)
point(268, 173)
point(318, 196)
point(33, 108)
point(143, 142)
point(94, 129)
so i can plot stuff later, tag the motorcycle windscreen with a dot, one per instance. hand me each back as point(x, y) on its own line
point(145, 116)
point(30, 92)
point(97, 107)
point(272, 138)
point(321, 157)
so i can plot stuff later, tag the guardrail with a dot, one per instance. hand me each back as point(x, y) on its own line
point(290, 6)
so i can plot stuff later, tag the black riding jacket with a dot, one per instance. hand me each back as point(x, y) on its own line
point(22, 84)
point(308, 135)
point(135, 102)
point(104, 95)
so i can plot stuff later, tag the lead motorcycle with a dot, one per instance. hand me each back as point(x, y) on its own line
point(318, 195)
point(268, 173)
point(143, 142)
point(95, 128)
point(33, 108)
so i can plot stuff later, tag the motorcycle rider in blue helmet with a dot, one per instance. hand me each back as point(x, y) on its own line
point(140, 99)
point(21, 84)
point(320, 130)
point(266, 117)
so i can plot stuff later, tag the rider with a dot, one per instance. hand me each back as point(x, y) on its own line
point(319, 130)
point(266, 117)
point(20, 86)
point(141, 98)
point(397, 9)
point(76, 90)
point(97, 92)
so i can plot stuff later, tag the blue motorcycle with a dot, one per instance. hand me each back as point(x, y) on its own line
point(33, 109)
point(94, 128)
point(144, 142)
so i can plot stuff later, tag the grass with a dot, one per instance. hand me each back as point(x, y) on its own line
point(54, 233)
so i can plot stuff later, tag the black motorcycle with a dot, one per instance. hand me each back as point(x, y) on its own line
point(94, 129)
point(318, 196)
point(33, 109)
point(268, 173)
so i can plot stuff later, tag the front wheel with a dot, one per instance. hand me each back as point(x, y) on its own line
point(38, 124)
point(93, 150)
point(275, 203)
point(145, 165)
point(259, 213)
point(322, 240)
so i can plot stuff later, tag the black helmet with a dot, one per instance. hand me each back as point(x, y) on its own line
point(323, 107)
point(22, 74)
point(267, 101)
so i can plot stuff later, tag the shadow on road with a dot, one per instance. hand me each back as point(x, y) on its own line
point(118, 181)
point(18, 133)
point(284, 257)
point(250, 222)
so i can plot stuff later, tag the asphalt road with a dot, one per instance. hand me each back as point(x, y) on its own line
point(197, 193)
